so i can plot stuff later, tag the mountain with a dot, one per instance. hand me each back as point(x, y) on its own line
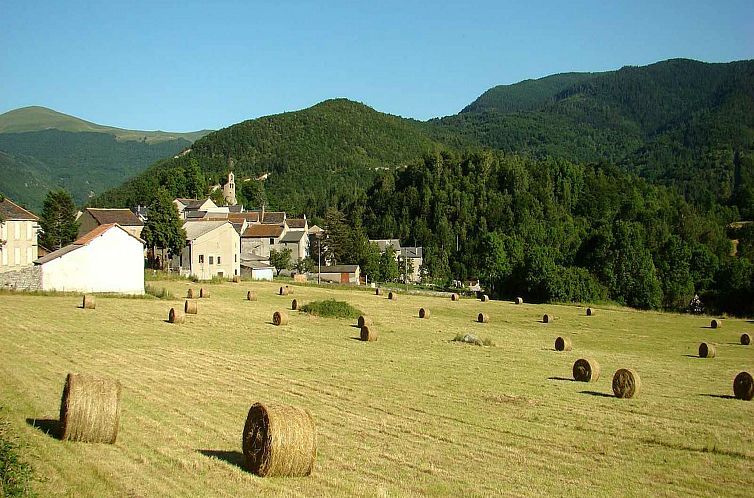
point(41, 149)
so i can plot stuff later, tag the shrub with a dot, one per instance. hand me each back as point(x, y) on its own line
point(331, 309)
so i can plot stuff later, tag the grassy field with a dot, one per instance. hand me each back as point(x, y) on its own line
point(411, 414)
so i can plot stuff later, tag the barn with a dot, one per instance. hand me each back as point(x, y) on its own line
point(340, 274)
point(107, 259)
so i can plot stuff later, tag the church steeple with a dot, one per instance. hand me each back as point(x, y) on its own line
point(229, 190)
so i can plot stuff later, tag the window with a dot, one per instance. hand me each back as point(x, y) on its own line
point(218, 260)
point(272, 242)
point(212, 260)
point(18, 230)
point(235, 258)
point(201, 258)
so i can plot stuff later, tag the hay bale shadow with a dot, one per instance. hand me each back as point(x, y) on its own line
point(49, 426)
point(692, 356)
point(705, 327)
point(358, 338)
point(561, 378)
point(596, 393)
point(229, 456)
point(720, 396)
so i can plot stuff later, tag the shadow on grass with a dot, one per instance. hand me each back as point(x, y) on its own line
point(49, 426)
point(682, 447)
point(561, 378)
point(229, 456)
point(596, 393)
point(692, 356)
point(720, 396)
point(355, 338)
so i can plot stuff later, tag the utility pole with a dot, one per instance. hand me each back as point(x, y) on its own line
point(319, 258)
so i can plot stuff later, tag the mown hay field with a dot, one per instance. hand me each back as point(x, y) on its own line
point(408, 415)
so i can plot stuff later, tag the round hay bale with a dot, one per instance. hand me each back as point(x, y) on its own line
point(377, 291)
point(743, 386)
point(626, 383)
point(280, 318)
point(392, 296)
point(190, 294)
point(455, 297)
point(176, 316)
point(89, 303)
point(289, 289)
point(485, 298)
point(364, 320)
point(294, 305)
point(707, 350)
point(368, 333)
point(563, 344)
point(586, 370)
point(424, 313)
point(589, 312)
point(251, 296)
point(279, 441)
point(716, 323)
point(236, 279)
point(90, 409)
point(483, 318)
point(547, 318)
point(191, 307)
point(204, 293)
point(745, 339)
point(283, 291)
point(519, 300)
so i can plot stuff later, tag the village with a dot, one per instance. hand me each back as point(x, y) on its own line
point(222, 242)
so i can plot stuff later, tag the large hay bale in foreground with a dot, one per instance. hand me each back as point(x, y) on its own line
point(547, 318)
point(364, 320)
point(586, 370)
point(519, 300)
point(294, 305)
point(563, 344)
point(483, 318)
point(743, 386)
point(745, 339)
point(280, 318)
point(251, 296)
point(589, 312)
point(377, 291)
point(716, 323)
point(204, 293)
point(283, 291)
point(424, 313)
point(279, 441)
point(626, 383)
point(191, 307)
point(89, 303)
point(90, 409)
point(176, 316)
point(455, 297)
point(707, 350)
point(190, 294)
point(392, 296)
point(485, 298)
point(368, 333)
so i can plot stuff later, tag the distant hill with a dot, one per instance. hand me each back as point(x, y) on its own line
point(41, 149)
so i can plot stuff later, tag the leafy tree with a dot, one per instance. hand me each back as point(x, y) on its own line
point(196, 182)
point(674, 271)
point(303, 265)
point(58, 220)
point(388, 265)
point(336, 238)
point(164, 229)
point(370, 262)
point(405, 268)
point(281, 259)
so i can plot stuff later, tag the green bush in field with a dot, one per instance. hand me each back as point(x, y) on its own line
point(331, 309)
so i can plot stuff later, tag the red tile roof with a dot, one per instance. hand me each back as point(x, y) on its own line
point(261, 231)
point(9, 210)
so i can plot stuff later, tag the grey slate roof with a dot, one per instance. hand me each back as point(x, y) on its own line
point(9, 210)
point(340, 269)
point(293, 237)
point(195, 229)
point(123, 217)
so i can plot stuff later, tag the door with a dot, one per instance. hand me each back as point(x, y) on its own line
point(344, 278)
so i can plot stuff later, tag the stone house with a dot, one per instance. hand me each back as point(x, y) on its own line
point(18, 236)
point(91, 218)
point(258, 239)
point(200, 209)
point(213, 248)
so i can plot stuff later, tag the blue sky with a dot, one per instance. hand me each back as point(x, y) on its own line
point(184, 66)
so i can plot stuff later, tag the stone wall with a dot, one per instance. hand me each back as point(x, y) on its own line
point(25, 279)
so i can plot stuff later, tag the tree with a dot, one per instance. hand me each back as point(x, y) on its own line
point(370, 262)
point(388, 265)
point(336, 238)
point(281, 259)
point(58, 220)
point(303, 265)
point(164, 228)
point(406, 268)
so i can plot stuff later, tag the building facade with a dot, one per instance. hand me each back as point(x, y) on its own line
point(18, 236)
point(213, 249)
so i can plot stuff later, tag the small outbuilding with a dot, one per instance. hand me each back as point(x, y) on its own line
point(340, 274)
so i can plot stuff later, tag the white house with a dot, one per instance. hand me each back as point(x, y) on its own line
point(212, 249)
point(107, 259)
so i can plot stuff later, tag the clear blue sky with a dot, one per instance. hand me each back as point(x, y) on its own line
point(184, 66)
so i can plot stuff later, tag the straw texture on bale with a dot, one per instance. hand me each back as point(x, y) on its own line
point(392, 296)
point(519, 300)
point(236, 279)
point(190, 294)
point(283, 291)
point(716, 324)
point(745, 339)
point(294, 305)
point(280, 318)
point(485, 298)
point(90, 409)
point(176, 316)
point(88, 303)
point(191, 307)
point(483, 318)
point(586, 370)
point(563, 344)
point(251, 296)
point(743, 386)
point(300, 278)
point(424, 313)
point(364, 320)
point(547, 318)
point(289, 289)
point(378, 291)
point(626, 383)
point(589, 312)
point(279, 441)
point(203, 293)
point(454, 297)
point(368, 333)
point(707, 350)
